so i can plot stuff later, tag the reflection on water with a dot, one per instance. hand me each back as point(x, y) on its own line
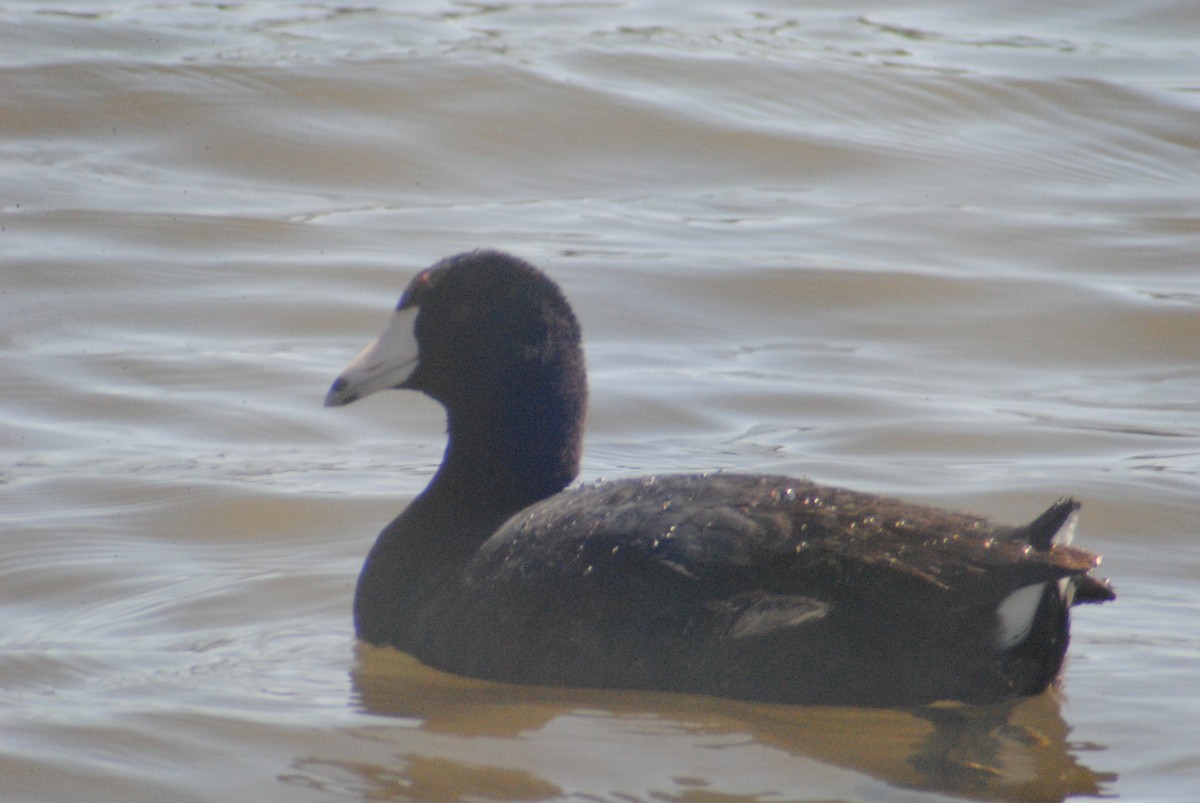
point(1015, 750)
point(414, 777)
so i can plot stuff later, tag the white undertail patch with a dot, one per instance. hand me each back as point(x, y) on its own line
point(1064, 536)
point(1067, 531)
point(1015, 615)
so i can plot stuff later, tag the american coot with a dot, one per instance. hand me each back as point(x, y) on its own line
point(759, 587)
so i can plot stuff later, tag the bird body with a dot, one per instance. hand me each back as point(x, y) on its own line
point(751, 586)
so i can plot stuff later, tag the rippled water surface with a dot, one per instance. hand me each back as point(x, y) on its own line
point(928, 249)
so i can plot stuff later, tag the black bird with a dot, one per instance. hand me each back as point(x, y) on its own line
point(758, 587)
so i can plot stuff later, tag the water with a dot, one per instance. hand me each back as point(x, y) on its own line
point(941, 252)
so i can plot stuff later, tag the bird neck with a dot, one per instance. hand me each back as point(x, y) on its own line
point(506, 456)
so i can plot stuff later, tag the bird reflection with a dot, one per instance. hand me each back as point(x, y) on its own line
point(1013, 750)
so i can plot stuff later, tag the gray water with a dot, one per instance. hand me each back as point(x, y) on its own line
point(934, 250)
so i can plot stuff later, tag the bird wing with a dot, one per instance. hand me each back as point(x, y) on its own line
point(735, 533)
